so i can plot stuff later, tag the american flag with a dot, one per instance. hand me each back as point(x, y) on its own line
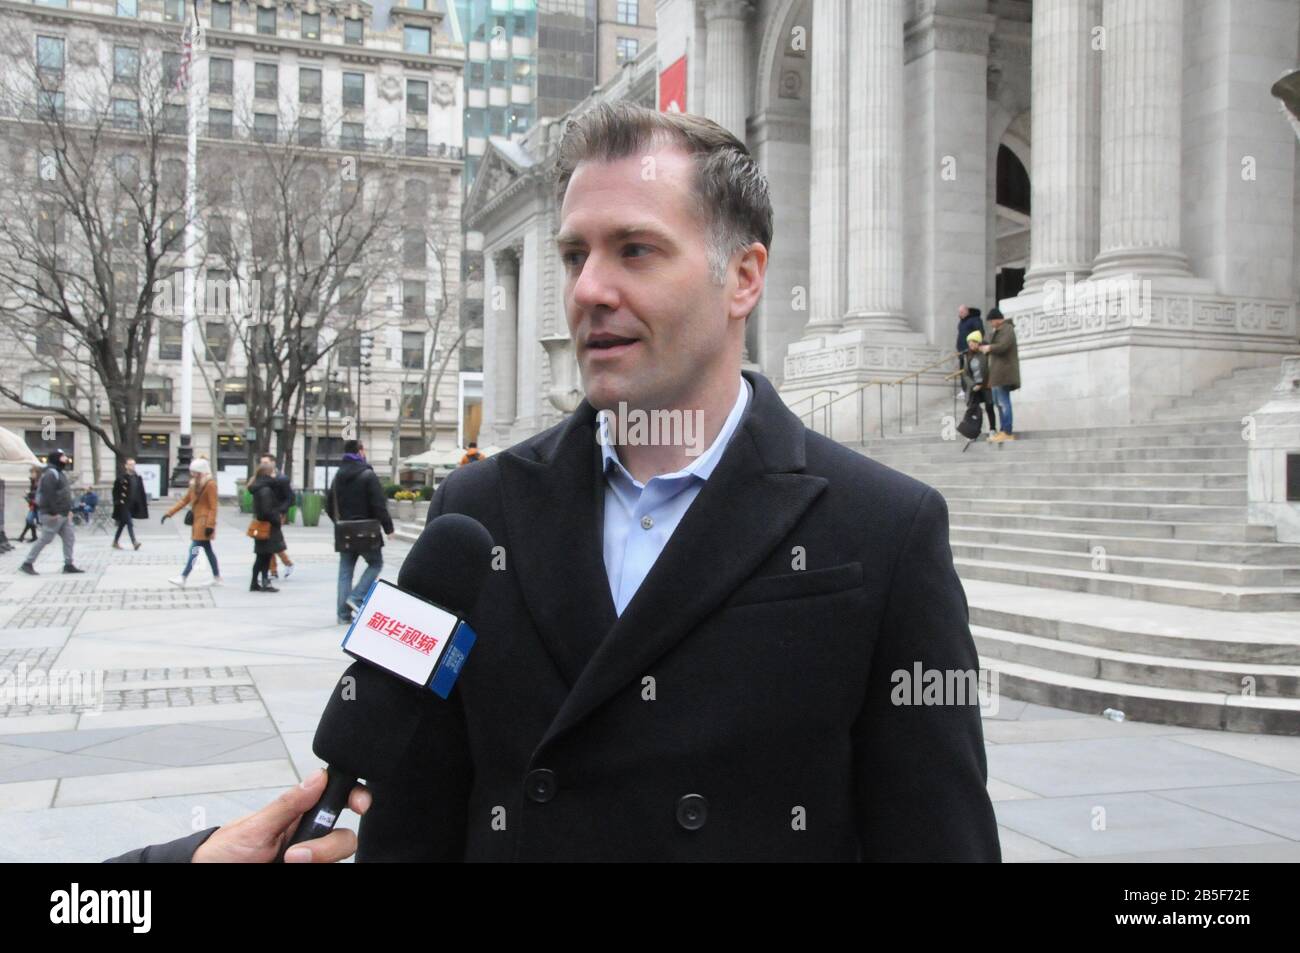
point(187, 49)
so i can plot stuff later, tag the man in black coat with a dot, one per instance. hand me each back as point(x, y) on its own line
point(130, 503)
point(285, 498)
point(717, 646)
point(357, 494)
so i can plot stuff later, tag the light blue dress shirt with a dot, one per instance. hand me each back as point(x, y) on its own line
point(640, 518)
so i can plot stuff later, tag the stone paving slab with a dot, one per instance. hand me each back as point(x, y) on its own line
point(1269, 807)
point(167, 782)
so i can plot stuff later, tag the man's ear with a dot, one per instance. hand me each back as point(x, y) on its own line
point(751, 277)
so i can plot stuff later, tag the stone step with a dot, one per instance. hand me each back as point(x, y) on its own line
point(1107, 622)
point(975, 517)
point(1024, 451)
point(1172, 591)
point(1180, 473)
point(1098, 491)
point(1168, 706)
point(1181, 513)
point(1133, 668)
point(1236, 553)
point(1148, 567)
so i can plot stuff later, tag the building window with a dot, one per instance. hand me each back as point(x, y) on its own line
point(126, 65)
point(477, 74)
point(266, 21)
point(311, 26)
point(352, 136)
point(49, 225)
point(415, 201)
point(171, 67)
point(169, 339)
point(221, 123)
point(498, 71)
point(415, 5)
point(127, 8)
point(354, 89)
point(220, 15)
point(173, 10)
point(416, 39)
point(627, 12)
point(219, 236)
point(174, 118)
point(47, 389)
point(157, 394)
point(417, 142)
point(221, 75)
point(266, 80)
point(412, 400)
point(417, 96)
point(413, 350)
point(413, 300)
point(625, 49)
point(351, 296)
point(49, 59)
point(216, 338)
point(264, 127)
point(126, 113)
point(309, 85)
point(349, 349)
point(414, 248)
point(234, 396)
point(354, 32)
point(309, 132)
point(49, 341)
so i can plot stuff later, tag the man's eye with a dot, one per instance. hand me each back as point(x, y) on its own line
point(572, 259)
point(636, 251)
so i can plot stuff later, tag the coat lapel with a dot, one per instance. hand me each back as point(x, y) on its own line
point(553, 510)
point(752, 501)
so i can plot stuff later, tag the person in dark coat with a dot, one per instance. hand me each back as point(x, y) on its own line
point(265, 507)
point(736, 662)
point(130, 503)
point(285, 498)
point(30, 521)
point(1004, 371)
point(968, 320)
point(357, 494)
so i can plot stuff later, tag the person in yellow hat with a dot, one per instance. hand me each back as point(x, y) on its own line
point(975, 377)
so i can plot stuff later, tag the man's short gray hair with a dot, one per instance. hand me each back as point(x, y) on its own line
point(735, 204)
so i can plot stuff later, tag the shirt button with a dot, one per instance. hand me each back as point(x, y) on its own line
point(647, 522)
point(540, 785)
point(692, 811)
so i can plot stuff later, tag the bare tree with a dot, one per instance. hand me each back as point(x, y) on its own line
point(92, 222)
point(305, 237)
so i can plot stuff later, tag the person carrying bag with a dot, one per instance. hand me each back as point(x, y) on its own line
point(356, 505)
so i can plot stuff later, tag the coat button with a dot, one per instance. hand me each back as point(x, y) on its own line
point(540, 785)
point(692, 811)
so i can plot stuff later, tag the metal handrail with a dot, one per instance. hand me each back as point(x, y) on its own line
point(860, 392)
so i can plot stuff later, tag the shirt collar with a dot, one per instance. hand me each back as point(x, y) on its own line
point(703, 465)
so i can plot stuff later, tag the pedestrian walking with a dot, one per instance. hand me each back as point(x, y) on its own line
point(269, 540)
point(130, 503)
point(29, 519)
point(54, 509)
point(356, 503)
point(284, 502)
point(201, 498)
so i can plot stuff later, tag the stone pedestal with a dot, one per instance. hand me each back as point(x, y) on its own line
point(1273, 432)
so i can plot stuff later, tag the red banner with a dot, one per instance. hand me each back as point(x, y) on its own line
point(672, 88)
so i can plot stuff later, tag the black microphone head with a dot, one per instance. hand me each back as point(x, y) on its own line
point(368, 722)
point(372, 715)
point(448, 563)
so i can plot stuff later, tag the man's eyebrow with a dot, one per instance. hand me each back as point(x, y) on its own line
point(643, 229)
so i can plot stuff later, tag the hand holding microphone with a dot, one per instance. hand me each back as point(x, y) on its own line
point(260, 837)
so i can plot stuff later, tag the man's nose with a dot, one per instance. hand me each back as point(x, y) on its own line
point(595, 286)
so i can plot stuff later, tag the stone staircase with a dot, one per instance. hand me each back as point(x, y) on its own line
point(1115, 568)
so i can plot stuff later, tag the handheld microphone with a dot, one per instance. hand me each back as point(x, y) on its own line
point(375, 707)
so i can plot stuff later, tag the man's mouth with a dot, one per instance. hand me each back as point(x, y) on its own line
point(609, 344)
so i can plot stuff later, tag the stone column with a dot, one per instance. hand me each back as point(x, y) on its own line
point(725, 64)
point(1066, 122)
point(1141, 138)
point(829, 187)
point(875, 186)
point(503, 312)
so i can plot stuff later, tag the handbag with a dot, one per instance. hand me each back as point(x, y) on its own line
point(189, 517)
point(354, 536)
point(259, 529)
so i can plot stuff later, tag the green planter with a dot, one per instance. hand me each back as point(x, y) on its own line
point(245, 501)
point(312, 504)
point(291, 515)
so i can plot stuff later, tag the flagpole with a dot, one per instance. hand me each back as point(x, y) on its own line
point(181, 476)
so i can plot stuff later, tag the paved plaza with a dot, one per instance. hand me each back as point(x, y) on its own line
point(211, 698)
